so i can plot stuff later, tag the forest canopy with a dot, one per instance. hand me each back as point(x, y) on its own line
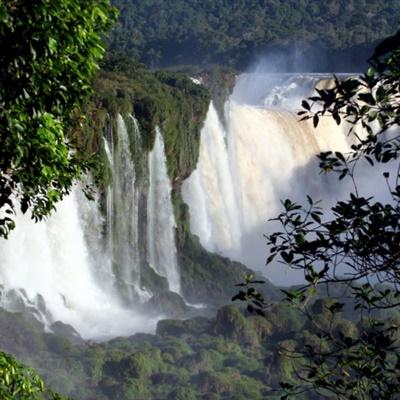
point(160, 33)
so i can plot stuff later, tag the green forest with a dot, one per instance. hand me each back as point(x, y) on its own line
point(162, 33)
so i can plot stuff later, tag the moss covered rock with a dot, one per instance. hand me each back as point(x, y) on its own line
point(137, 365)
point(230, 322)
point(168, 304)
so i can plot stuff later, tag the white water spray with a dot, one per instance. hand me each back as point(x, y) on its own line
point(50, 264)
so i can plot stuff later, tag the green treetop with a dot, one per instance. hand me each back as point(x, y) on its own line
point(49, 52)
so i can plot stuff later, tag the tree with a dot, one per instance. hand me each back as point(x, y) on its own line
point(18, 382)
point(354, 248)
point(49, 52)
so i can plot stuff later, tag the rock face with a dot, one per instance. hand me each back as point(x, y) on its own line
point(167, 303)
point(67, 331)
point(230, 322)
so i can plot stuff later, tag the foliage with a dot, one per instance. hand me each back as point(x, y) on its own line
point(49, 52)
point(18, 382)
point(233, 354)
point(356, 245)
point(160, 33)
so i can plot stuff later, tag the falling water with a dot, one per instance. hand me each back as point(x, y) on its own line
point(70, 269)
point(123, 214)
point(109, 200)
point(161, 221)
point(48, 266)
point(210, 190)
point(263, 155)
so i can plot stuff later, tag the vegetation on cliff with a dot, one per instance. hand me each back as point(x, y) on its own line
point(168, 100)
point(178, 106)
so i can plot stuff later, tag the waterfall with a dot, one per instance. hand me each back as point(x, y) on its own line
point(161, 224)
point(123, 215)
point(83, 266)
point(70, 268)
point(47, 266)
point(109, 199)
point(263, 155)
point(210, 190)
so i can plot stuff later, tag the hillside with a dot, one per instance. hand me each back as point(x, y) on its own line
point(160, 33)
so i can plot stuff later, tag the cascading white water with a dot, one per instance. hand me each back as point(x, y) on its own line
point(262, 156)
point(210, 191)
point(161, 247)
point(278, 90)
point(50, 265)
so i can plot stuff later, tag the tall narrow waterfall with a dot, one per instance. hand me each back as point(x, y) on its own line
point(160, 218)
point(123, 215)
point(210, 190)
point(263, 155)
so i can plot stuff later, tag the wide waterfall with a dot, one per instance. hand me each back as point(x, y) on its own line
point(83, 265)
point(161, 221)
point(261, 155)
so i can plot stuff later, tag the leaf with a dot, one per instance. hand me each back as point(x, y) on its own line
point(316, 217)
point(315, 120)
point(52, 44)
point(343, 173)
point(340, 156)
point(240, 296)
point(286, 385)
point(336, 307)
point(287, 257)
point(367, 98)
point(369, 160)
point(336, 117)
